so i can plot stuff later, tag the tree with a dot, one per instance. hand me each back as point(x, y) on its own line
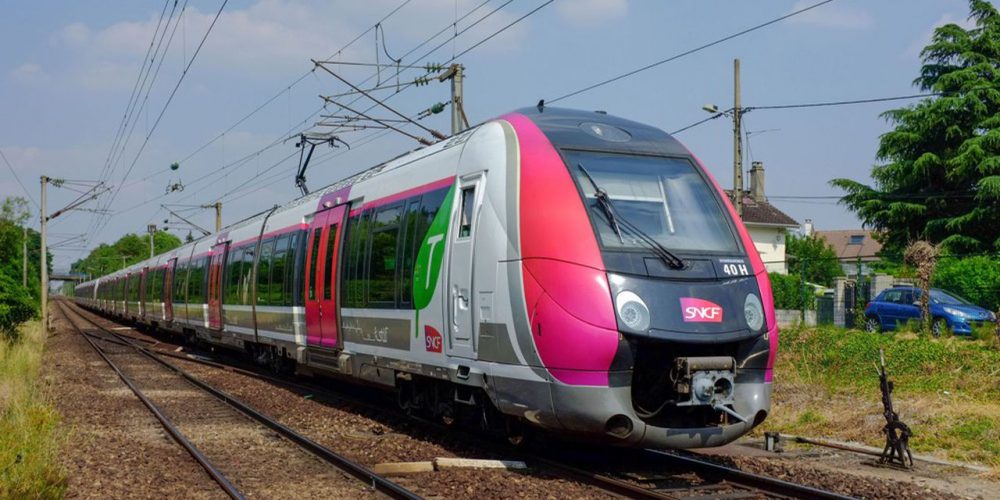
point(939, 176)
point(923, 256)
point(128, 250)
point(813, 258)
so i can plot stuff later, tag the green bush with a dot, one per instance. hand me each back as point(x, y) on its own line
point(974, 278)
point(789, 294)
point(16, 306)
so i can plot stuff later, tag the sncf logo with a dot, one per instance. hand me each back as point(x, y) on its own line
point(432, 339)
point(700, 311)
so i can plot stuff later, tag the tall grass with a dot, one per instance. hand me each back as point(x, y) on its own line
point(29, 433)
point(947, 389)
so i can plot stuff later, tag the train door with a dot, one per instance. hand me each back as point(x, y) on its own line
point(215, 285)
point(460, 277)
point(143, 280)
point(168, 290)
point(321, 278)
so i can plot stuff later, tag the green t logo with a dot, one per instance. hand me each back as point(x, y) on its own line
point(427, 268)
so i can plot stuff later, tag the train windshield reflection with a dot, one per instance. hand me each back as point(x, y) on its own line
point(665, 197)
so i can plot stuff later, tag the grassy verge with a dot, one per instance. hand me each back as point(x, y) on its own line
point(29, 438)
point(947, 390)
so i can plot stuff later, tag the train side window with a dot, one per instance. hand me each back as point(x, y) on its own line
point(180, 282)
point(296, 263)
point(275, 289)
point(313, 261)
point(331, 246)
point(246, 275)
point(382, 260)
point(407, 253)
point(353, 277)
point(264, 272)
point(232, 276)
point(290, 292)
point(468, 211)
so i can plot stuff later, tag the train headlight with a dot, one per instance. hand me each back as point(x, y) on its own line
point(632, 311)
point(754, 312)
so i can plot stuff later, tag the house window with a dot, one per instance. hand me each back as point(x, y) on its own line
point(856, 239)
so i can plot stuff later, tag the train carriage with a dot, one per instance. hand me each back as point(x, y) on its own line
point(566, 270)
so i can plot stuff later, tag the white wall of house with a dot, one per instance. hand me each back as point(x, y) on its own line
point(770, 243)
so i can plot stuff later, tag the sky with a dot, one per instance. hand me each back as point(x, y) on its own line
point(69, 71)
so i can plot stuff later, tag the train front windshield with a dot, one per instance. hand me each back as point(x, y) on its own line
point(667, 199)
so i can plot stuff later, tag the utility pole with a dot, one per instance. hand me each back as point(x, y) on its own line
point(737, 142)
point(24, 257)
point(43, 217)
point(458, 120)
point(218, 215)
point(151, 229)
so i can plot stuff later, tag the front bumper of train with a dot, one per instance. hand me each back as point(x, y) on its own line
point(606, 415)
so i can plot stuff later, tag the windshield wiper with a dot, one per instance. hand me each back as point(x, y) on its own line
point(617, 222)
point(605, 202)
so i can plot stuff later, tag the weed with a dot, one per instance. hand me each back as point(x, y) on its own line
point(947, 389)
point(29, 436)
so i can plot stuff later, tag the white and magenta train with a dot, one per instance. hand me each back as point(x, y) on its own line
point(568, 270)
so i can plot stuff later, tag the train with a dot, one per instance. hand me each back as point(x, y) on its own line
point(552, 270)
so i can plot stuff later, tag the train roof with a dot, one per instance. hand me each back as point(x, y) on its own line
point(597, 130)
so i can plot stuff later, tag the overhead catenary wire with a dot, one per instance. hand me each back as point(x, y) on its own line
point(18, 179)
point(371, 137)
point(283, 90)
point(688, 52)
point(847, 102)
point(136, 88)
point(170, 99)
point(318, 110)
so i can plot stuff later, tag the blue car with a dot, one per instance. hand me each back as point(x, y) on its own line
point(949, 312)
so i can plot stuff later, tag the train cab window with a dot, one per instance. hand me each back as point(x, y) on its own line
point(468, 210)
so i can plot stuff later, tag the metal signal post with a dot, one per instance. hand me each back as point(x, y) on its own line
point(737, 142)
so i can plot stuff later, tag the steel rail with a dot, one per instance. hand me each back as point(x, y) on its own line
point(378, 482)
point(760, 482)
point(174, 433)
point(735, 477)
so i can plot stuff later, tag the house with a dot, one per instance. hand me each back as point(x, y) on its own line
point(853, 247)
point(766, 224)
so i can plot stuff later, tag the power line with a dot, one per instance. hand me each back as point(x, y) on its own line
point(246, 158)
point(688, 52)
point(18, 179)
point(169, 100)
point(281, 92)
point(133, 97)
point(374, 136)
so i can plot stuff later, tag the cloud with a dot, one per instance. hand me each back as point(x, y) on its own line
point(913, 50)
point(834, 16)
point(277, 37)
point(71, 35)
point(29, 73)
point(590, 12)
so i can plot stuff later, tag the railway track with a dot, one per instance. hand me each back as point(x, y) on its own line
point(244, 451)
point(635, 474)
